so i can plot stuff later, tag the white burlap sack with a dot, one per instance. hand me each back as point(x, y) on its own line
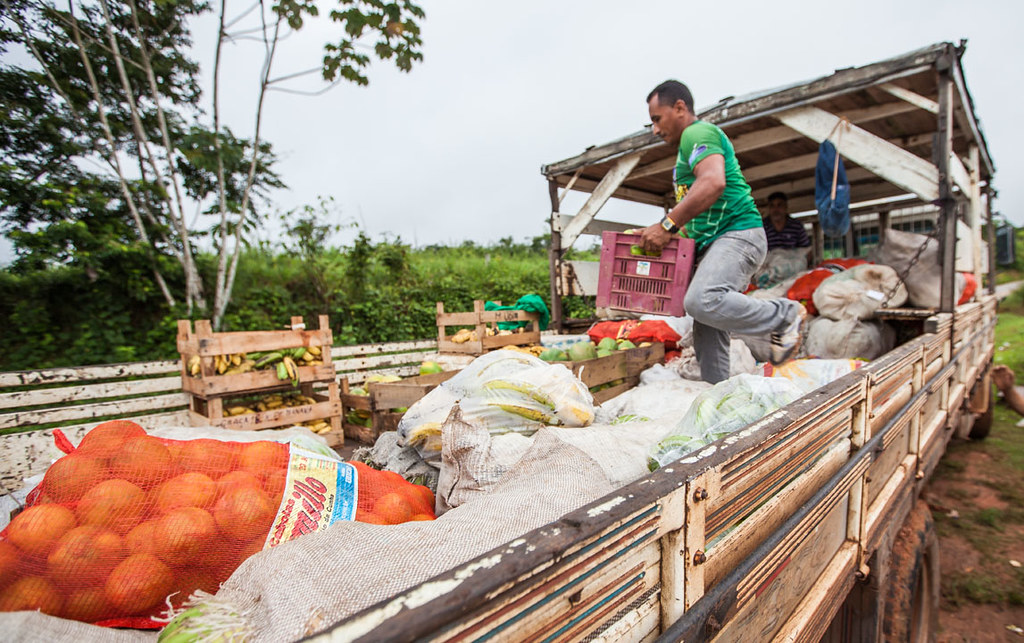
point(858, 292)
point(848, 339)
point(36, 627)
point(303, 586)
point(473, 461)
point(924, 279)
point(741, 360)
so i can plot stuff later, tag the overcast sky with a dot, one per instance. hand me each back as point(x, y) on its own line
point(452, 151)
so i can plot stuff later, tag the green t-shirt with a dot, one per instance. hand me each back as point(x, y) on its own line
point(735, 209)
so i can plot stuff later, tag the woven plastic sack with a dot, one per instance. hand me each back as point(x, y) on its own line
point(726, 407)
point(506, 391)
point(810, 374)
point(779, 265)
point(858, 292)
point(128, 524)
point(924, 278)
point(474, 461)
point(849, 338)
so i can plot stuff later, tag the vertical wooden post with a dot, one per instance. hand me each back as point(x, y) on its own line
point(989, 194)
point(850, 240)
point(884, 223)
point(974, 216)
point(947, 203)
point(555, 258)
point(673, 562)
point(818, 240)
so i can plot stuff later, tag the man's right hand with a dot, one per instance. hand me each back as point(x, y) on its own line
point(654, 238)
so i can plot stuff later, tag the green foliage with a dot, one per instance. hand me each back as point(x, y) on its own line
point(373, 291)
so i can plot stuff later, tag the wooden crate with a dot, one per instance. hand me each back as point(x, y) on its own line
point(481, 320)
point(208, 391)
point(382, 399)
point(621, 365)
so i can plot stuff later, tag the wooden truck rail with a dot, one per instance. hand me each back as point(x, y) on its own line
point(759, 536)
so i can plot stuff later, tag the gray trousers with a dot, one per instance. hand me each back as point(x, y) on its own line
point(718, 306)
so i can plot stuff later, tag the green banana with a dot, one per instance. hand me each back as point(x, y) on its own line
point(530, 414)
point(282, 371)
point(297, 353)
point(529, 390)
point(268, 359)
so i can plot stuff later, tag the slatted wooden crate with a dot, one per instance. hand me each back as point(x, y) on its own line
point(481, 320)
point(382, 400)
point(209, 391)
point(623, 367)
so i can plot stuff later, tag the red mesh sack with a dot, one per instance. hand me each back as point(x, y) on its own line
point(127, 523)
point(970, 286)
point(651, 330)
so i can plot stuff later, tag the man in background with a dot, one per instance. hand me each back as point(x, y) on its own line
point(782, 230)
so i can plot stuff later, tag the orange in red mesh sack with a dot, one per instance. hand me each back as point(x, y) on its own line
point(127, 522)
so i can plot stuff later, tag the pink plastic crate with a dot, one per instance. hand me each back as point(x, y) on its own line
point(642, 283)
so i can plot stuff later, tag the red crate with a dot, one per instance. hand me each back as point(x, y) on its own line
point(642, 283)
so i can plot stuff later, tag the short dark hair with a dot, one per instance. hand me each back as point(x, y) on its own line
point(670, 91)
point(781, 196)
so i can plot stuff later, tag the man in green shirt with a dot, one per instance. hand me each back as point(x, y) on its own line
point(715, 209)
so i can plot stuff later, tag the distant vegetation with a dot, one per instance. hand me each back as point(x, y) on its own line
point(373, 292)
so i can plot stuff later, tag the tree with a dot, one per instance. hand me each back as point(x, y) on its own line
point(104, 131)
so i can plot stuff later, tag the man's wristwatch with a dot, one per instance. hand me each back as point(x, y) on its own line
point(669, 225)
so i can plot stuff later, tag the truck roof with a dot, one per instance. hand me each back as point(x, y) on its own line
point(896, 100)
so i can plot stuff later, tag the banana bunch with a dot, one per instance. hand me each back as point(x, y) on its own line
point(532, 349)
point(464, 335)
point(279, 401)
point(284, 361)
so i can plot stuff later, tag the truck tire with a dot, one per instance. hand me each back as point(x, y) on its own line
point(982, 424)
point(912, 596)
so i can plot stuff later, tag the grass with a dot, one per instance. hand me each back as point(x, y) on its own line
point(992, 531)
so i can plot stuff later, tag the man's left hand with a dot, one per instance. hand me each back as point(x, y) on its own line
point(654, 238)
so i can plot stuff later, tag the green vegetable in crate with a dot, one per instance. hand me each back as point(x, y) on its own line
point(430, 366)
point(554, 355)
point(604, 352)
point(626, 345)
point(607, 344)
point(583, 350)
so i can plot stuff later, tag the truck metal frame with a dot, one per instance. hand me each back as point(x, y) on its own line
point(805, 525)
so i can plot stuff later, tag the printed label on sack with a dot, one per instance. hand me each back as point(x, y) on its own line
point(643, 268)
point(319, 492)
point(874, 294)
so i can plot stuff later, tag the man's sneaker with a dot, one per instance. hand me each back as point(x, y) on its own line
point(786, 342)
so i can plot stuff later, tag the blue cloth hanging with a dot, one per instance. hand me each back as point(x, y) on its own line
point(833, 202)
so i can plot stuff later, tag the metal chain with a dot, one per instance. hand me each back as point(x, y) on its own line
point(936, 234)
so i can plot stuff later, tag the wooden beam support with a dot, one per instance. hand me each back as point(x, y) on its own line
point(604, 190)
point(974, 213)
point(947, 204)
point(913, 98)
point(959, 174)
point(555, 257)
point(888, 161)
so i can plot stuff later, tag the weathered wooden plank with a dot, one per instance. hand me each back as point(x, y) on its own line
point(29, 453)
point(65, 394)
point(886, 160)
point(87, 373)
point(376, 363)
point(604, 190)
point(261, 380)
point(812, 616)
point(26, 419)
point(339, 352)
point(597, 226)
point(769, 516)
point(915, 99)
